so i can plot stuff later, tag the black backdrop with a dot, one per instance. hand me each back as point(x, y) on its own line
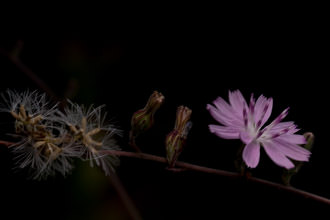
point(191, 61)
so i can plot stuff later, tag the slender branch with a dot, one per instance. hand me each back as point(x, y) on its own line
point(132, 143)
point(291, 189)
point(29, 73)
point(203, 169)
point(14, 58)
point(116, 183)
point(178, 163)
point(6, 143)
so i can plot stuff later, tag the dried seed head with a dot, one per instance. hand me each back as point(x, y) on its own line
point(50, 139)
point(91, 134)
point(42, 147)
point(27, 104)
point(45, 152)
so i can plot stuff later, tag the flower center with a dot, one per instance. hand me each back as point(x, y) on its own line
point(252, 130)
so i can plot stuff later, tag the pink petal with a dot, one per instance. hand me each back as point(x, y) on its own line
point(279, 118)
point(263, 110)
point(268, 112)
point(251, 154)
point(293, 130)
point(278, 129)
point(292, 138)
point(277, 156)
point(224, 132)
point(224, 107)
point(282, 126)
point(237, 101)
point(276, 121)
point(222, 117)
point(245, 137)
point(217, 115)
point(252, 104)
point(260, 105)
point(292, 150)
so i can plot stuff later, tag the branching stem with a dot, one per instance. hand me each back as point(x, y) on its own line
point(189, 166)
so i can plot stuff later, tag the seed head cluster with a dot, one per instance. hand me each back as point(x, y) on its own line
point(49, 139)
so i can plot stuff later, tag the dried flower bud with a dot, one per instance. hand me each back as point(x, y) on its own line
point(176, 139)
point(143, 119)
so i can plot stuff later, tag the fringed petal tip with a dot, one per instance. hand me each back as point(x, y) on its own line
point(277, 156)
point(224, 132)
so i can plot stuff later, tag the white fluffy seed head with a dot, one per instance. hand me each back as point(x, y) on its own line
point(42, 159)
point(34, 103)
point(92, 134)
point(40, 147)
point(51, 139)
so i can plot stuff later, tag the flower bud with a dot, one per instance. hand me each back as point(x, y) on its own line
point(176, 139)
point(143, 119)
point(309, 136)
point(288, 174)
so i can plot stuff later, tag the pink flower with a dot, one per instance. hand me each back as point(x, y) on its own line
point(246, 122)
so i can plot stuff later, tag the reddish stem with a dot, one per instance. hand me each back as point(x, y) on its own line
point(132, 142)
point(203, 169)
point(6, 143)
point(29, 73)
point(194, 167)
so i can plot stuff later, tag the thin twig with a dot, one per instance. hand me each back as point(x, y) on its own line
point(132, 142)
point(116, 183)
point(189, 166)
point(6, 143)
point(14, 58)
point(120, 189)
point(30, 74)
point(203, 169)
point(291, 190)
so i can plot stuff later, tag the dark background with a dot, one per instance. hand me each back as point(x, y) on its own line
point(191, 60)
